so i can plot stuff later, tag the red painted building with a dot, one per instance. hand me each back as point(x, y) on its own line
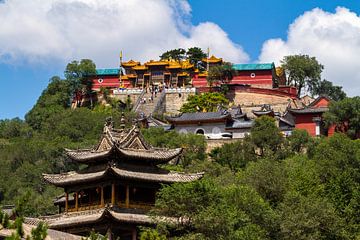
point(257, 75)
point(310, 118)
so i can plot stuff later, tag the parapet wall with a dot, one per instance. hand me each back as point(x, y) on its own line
point(176, 98)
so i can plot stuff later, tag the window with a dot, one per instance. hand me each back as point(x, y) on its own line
point(200, 131)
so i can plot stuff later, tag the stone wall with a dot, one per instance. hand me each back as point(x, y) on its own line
point(253, 101)
point(123, 97)
point(174, 101)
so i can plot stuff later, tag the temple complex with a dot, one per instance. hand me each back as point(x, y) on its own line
point(173, 74)
point(116, 189)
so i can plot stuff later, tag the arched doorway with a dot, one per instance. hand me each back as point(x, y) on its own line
point(200, 131)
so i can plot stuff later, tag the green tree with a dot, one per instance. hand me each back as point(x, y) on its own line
point(175, 54)
point(266, 136)
point(79, 75)
point(151, 234)
point(195, 56)
point(302, 71)
point(310, 217)
point(299, 141)
point(204, 102)
point(222, 73)
point(327, 88)
point(235, 155)
point(212, 211)
point(268, 178)
point(54, 99)
point(345, 115)
point(194, 145)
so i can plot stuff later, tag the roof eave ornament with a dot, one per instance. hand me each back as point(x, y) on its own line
point(109, 124)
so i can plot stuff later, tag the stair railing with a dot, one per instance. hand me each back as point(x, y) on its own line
point(137, 103)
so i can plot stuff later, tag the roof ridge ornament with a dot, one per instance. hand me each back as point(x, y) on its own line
point(122, 121)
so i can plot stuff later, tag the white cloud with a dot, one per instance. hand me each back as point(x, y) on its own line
point(333, 38)
point(43, 31)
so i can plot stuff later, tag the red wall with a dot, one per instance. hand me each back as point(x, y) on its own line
point(262, 77)
point(305, 121)
point(108, 82)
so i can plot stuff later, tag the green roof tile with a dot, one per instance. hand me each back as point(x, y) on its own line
point(254, 66)
point(107, 71)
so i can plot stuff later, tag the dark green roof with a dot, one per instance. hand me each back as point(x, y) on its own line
point(107, 71)
point(254, 66)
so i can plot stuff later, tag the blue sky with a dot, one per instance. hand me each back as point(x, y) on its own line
point(36, 46)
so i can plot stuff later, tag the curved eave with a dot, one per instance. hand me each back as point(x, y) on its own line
point(141, 67)
point(87, 155)
point(96, 216)
point(70, 178)
point(156, 156)
point(74, 178)
point(308, 110)
point(157, 63)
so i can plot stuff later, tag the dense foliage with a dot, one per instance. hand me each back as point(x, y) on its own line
point(204, 102)
point(194, 55)
point(263, 187)
point(222, 73)
point(302, 71)
point(345, 114)
point(301, 188)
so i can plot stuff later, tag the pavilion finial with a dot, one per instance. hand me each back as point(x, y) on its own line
point(122, 121)
point(109, 122)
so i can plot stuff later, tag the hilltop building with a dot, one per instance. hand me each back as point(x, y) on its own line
point(173, 74)
point(113, 194)
point(310, 117)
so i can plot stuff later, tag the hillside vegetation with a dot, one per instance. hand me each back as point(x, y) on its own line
point(264, 187)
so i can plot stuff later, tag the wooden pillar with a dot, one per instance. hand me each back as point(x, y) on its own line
point(102, 202)
point(133, 234)
point(113, 194)
point(109, 234)
point(127, 199)
point(76, 201)
point(66, 201)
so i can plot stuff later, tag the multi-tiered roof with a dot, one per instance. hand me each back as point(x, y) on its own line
point(122, 153)
point(122, 167)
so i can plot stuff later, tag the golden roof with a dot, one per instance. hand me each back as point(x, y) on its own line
point(173, 65)
point(124, 77)
point(183, 74)
point(140, 67)
point(186, 64)
point(130, 63)
point(212, 59)
point(157, 63)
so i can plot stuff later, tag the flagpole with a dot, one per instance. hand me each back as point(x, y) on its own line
point(120, 69)
point(207, 62)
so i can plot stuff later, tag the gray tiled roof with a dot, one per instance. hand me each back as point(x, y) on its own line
point(62, 221)
point(69, 178)
point(309, 110)
point(128, 143)
point(200, 116)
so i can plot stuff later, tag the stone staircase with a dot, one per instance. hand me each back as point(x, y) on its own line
point(148, 107)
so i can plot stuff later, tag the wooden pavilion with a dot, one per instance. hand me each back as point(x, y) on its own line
point(115, 190)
